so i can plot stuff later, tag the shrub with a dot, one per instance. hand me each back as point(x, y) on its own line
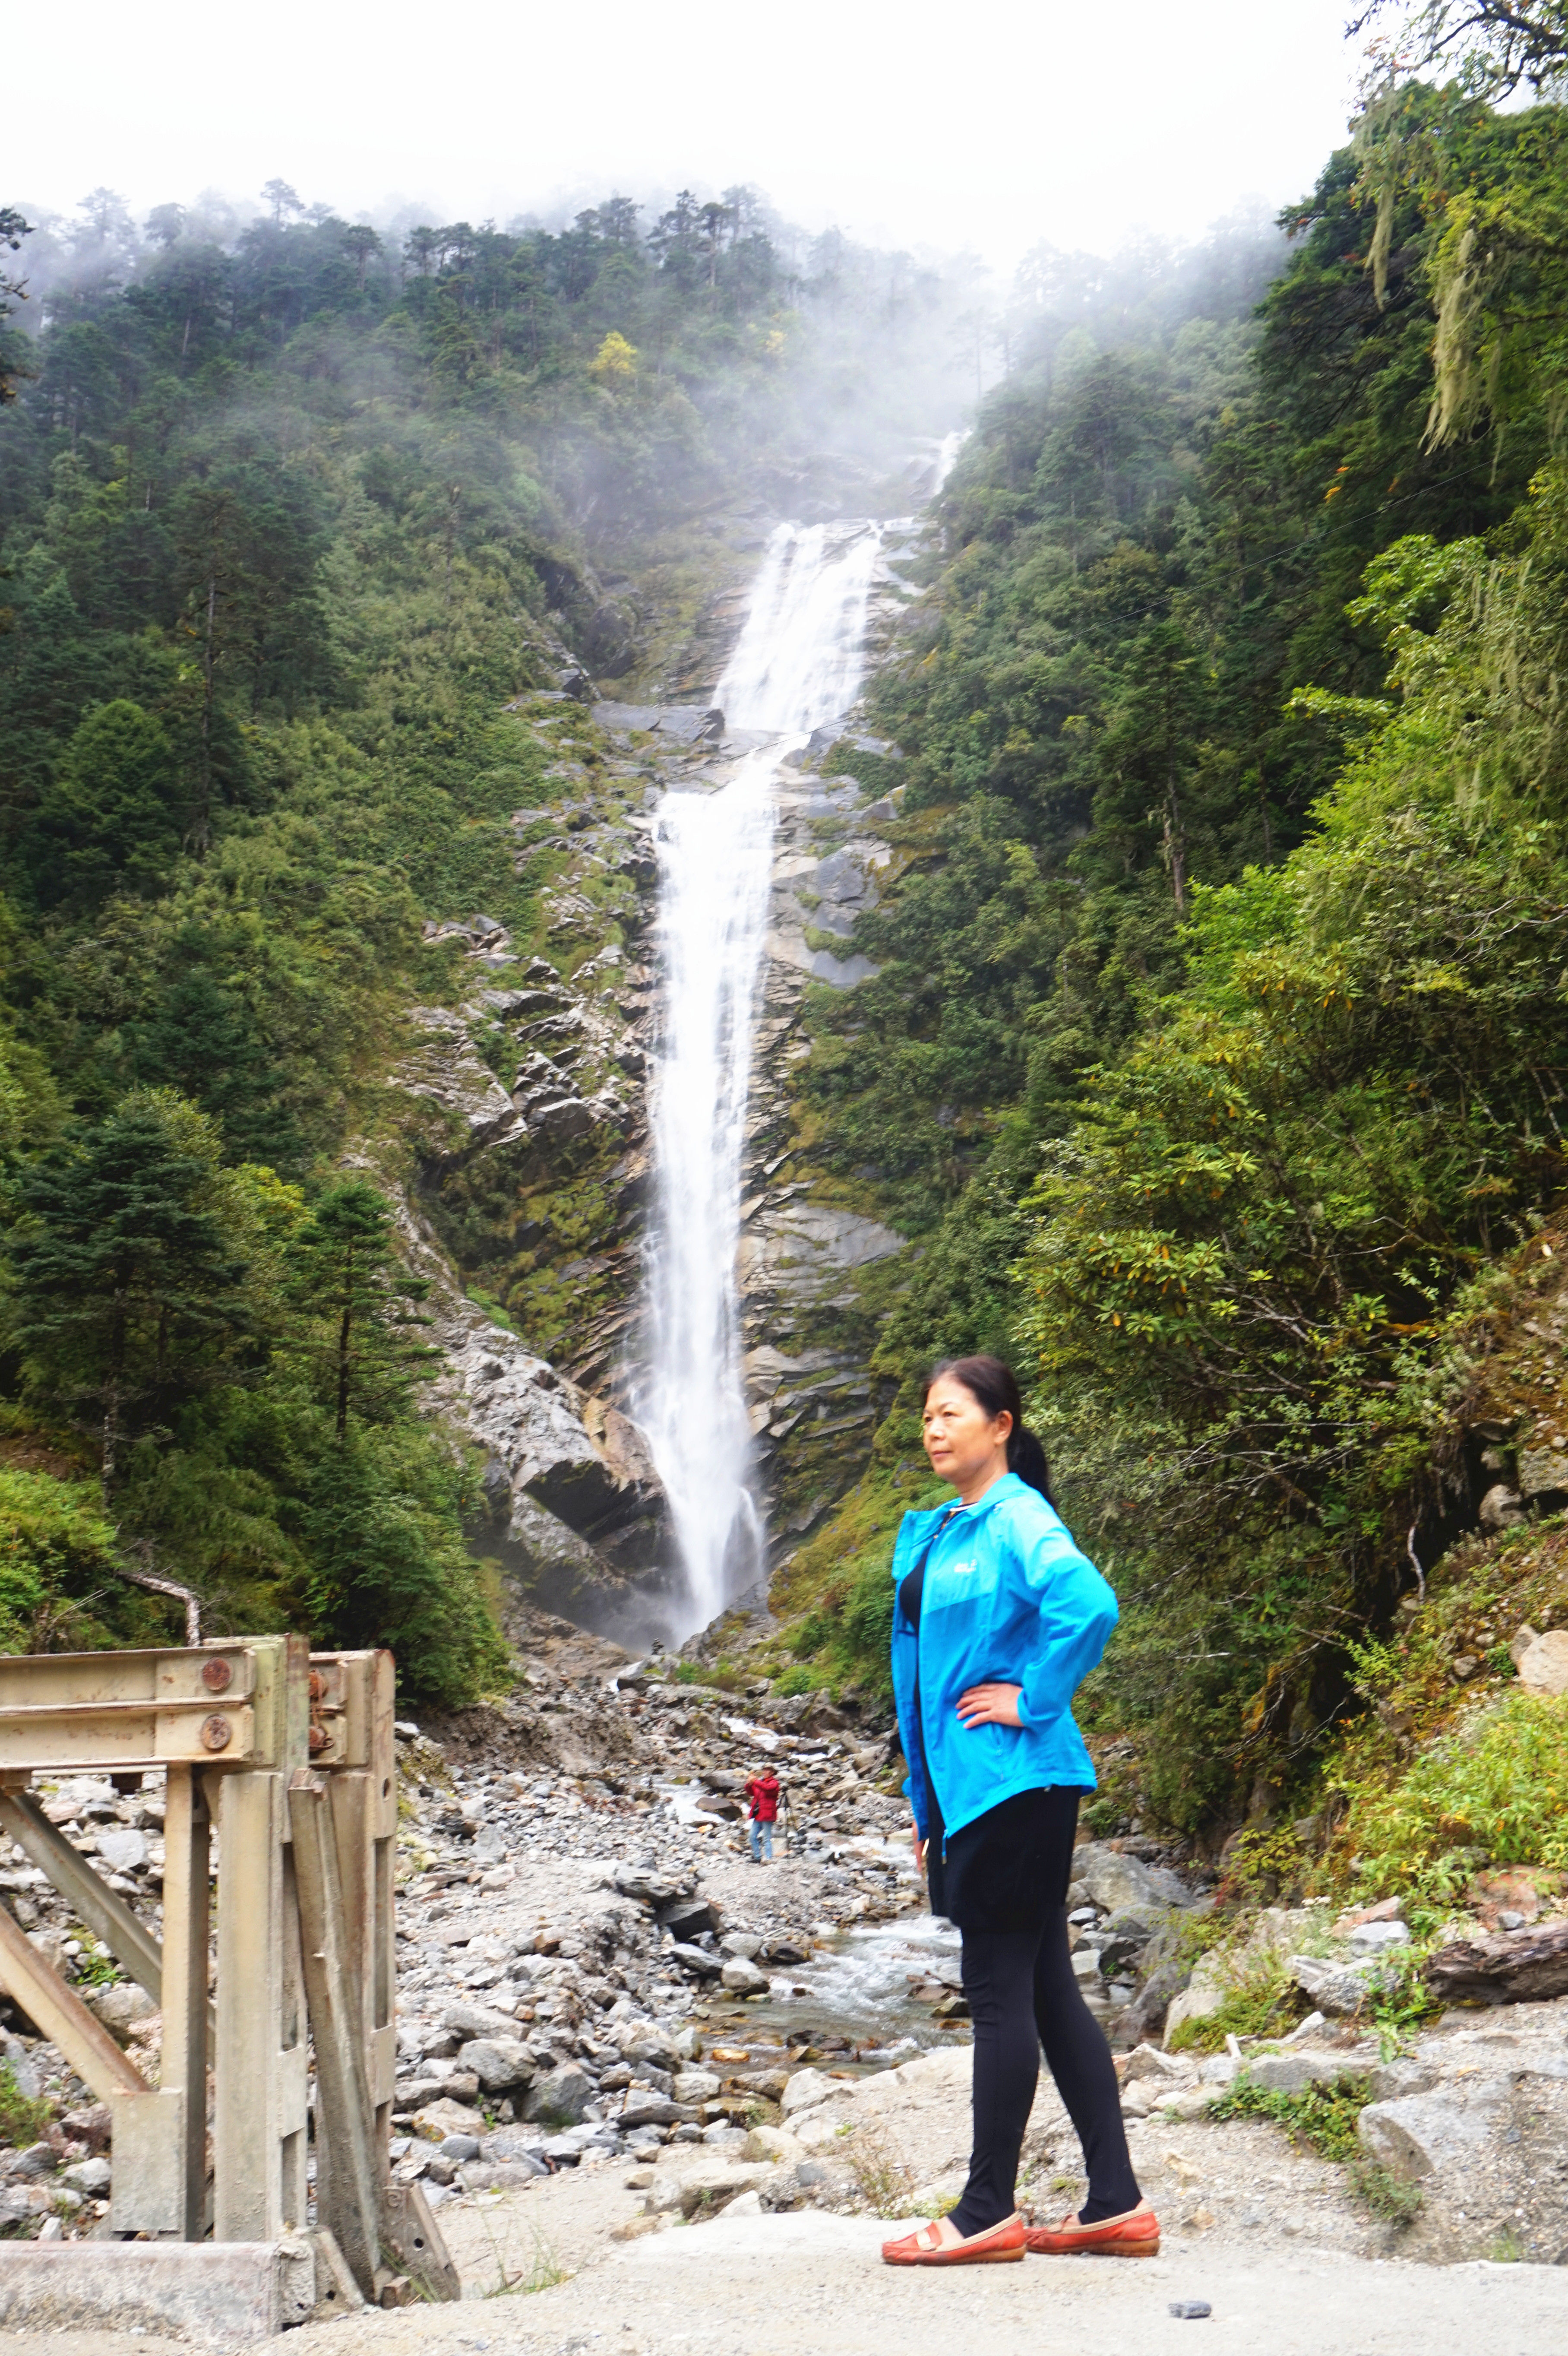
point(1496, 1787)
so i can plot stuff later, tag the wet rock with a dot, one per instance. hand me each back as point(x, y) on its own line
point(743, 1979)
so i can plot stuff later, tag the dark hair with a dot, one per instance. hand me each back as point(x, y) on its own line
point(996, 1389)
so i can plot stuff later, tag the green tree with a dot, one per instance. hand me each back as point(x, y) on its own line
point(112, 820)
point(127, 1287)
point(361, 1304)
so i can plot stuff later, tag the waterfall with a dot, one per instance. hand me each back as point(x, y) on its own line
point(798, 665)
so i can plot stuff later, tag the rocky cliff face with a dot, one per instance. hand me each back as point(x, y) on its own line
point(524, 1184)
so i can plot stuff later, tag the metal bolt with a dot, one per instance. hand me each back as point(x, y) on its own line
point(216, 1733)
point(317, 1684)
point(217, 1675)
point(319, 1739)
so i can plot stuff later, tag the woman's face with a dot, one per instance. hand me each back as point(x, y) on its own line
point(965, 1444)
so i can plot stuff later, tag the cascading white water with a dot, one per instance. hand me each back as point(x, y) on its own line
point(798, 665)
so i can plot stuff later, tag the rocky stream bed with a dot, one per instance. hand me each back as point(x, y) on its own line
point(612, 2024)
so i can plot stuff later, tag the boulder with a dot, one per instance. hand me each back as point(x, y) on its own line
point(644, 2107)
point(1376, 1938)
point(466, 2021)
point(1340, 1990)
point(1500, 1508)
point(805, 2090)
point(640, 1883)
point(1121, 1883)
point(90, 2178)
point(742, 1978)
point(121, 2008)
point(1543, 1472)
point(435, 2121)
point(1293, 2073)
point(687, 1918)
point(121, 1849)
point(499, 2063)
point(1542, 1667)
point(696, 1960)
point(696, 2086)
point(562, 2093)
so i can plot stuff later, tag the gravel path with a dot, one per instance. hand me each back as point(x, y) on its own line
point(810, 2285)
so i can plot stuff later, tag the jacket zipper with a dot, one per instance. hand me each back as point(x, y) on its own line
point(919, 1685)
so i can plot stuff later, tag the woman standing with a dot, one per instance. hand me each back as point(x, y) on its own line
point(998, 1619)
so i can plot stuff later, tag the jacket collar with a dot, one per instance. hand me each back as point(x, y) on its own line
point(1010, 1485)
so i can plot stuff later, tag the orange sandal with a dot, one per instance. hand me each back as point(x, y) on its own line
point(1134, 2235)
point(997, 2245)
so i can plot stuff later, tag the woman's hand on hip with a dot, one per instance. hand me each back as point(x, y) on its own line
point(990, 1706)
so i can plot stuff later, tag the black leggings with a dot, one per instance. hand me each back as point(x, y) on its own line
point(1023, 1993)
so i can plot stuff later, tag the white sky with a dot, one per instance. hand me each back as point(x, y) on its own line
point(994, 125)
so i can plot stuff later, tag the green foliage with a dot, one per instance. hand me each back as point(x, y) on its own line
point(1260, 2000)
point(345, 1279)
point(126, 1278)
point(836, 1598)
point(23, 2118)
point(60, 1591)
point(1496, 1787)
point(1322, 2117)
point(1390, 2197)
point(1215, 1055)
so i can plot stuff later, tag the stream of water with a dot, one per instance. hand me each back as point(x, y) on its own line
point(798, 664)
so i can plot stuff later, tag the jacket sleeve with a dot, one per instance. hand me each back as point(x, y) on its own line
point(1076, 1611)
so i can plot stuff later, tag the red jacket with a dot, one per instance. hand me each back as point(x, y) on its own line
point(762, 1791)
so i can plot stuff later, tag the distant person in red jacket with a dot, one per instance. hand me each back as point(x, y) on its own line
point(762, 1791)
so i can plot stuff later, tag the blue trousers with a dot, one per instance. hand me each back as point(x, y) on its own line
point(762, 1839)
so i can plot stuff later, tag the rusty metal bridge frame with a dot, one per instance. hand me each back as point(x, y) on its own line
point(288, 1757)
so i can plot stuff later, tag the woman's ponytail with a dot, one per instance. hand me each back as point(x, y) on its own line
point(1026, 1457)
point(996, 1386)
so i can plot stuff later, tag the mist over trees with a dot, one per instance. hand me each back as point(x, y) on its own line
point(1216, 1051)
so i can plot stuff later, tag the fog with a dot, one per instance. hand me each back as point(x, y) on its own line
point(990, 128)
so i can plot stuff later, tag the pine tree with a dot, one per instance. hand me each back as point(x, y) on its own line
point(127, 1290)
point(360, 1303)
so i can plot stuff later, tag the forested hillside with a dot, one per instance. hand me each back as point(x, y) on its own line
point(1217, 1054)
point(288, 516)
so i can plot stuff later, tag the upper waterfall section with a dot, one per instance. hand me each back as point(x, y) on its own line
point(801, 655)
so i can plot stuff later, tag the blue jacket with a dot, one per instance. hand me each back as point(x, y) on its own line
point(1008, 1598)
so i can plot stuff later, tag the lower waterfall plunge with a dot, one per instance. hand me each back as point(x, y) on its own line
point(798, 664)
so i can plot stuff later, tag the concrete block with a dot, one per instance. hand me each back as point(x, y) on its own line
point(223, 2294)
